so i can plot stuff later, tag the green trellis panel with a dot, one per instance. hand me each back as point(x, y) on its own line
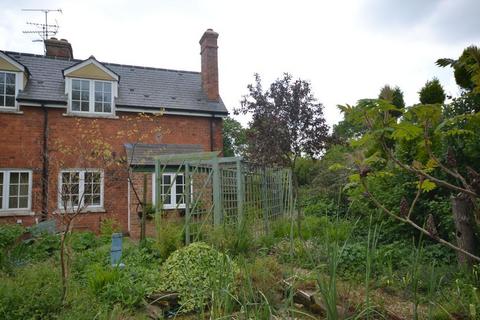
point(223, 191)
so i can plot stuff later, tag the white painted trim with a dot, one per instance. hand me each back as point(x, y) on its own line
point(12, 61)
point(5, 211)
point(173, 190)
point(91, 103)
point(87, 62)
point(81, 187)
point(18, 85)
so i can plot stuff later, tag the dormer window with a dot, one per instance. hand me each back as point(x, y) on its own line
point(91, 88)
point(91, 96)
point(7, 89)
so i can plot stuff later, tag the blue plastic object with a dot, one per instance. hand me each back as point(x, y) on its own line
point(116, 251)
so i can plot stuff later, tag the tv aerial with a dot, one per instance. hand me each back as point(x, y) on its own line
point(43, 30)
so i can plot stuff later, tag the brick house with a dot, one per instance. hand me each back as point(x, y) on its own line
point(51, 103)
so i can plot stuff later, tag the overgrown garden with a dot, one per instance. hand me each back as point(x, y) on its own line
point(385, 224)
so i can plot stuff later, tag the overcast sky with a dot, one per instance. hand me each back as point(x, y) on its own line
point(347, 49)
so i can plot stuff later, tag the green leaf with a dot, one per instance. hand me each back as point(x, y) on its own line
point(406, 131)
point(426, 185)
point(336, 167)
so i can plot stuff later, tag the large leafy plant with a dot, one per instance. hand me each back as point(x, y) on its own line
point(432, 140)
point(195, 272)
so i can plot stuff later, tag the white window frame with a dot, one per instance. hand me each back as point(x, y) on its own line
point(173, 191)
point(81, 189)
point(4, 210)
point(18, 85)
point(91, 104)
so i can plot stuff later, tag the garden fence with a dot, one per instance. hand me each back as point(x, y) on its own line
point(223, 192)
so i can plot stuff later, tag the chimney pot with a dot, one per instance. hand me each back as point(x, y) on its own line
point(58, 48)
point(209, 60)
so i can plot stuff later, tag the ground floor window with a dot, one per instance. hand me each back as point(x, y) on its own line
point(80, 189)
point(172, 190)
point(15, 190)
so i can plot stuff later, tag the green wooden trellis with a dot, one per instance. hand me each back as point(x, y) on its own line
point(224, 192)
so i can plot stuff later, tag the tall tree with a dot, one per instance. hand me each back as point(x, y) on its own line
point(234, 138)
point(392, 95)
point(287, 122)
point(432, 92)
point(466, 69)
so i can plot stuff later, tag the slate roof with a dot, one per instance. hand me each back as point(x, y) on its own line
point(144, 154)
point(139, 87)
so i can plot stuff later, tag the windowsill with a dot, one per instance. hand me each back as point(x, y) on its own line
point(11, 111)
point(174, 208)
point(90, 115)
point(16, 213)
point(86, 210)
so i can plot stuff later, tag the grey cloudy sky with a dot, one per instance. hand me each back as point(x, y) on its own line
point(347, 49)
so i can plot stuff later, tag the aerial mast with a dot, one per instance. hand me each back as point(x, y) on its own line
point(44, 30)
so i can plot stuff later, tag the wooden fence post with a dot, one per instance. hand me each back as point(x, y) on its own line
point(240, 193)
point(217, 195)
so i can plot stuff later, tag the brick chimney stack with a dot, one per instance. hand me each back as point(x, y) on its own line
point(58, 48)
point(208, 52)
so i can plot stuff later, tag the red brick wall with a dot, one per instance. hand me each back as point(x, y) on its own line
point(21, 141)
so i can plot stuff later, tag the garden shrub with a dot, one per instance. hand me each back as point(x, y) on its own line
point(169, 238)
point(263, 275)
point(229, 238)
point(323, 228)
point(195, 272)
point(81, 241)
point(33, 293)
point(303, 254)
point(125, 286)
point(108, 227)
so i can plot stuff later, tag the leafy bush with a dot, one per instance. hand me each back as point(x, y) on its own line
point(81, 241)
point(108, 227)
point(195, 272)
point(262, 276)
point(230, 238)
point(33, 293)
point(324, 228)
point(300, 253)
point(124, 286)
point(16, 252)
point(169, 238)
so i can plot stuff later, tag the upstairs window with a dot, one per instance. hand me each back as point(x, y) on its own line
point(91, 96)
point(7, 89)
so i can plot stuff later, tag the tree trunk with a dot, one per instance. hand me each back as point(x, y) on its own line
point(462, 209)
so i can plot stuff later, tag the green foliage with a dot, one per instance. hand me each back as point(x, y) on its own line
point(231, 239)
point(195, 271)
point(81, 241)
point(33, 293)
point(304, 170)
point(392, 95)
point(234, 138)
point(18, 248)
point(108, 227)
point(263, 275)
point(432, 92)
point(466, 69)
point(169, 238)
